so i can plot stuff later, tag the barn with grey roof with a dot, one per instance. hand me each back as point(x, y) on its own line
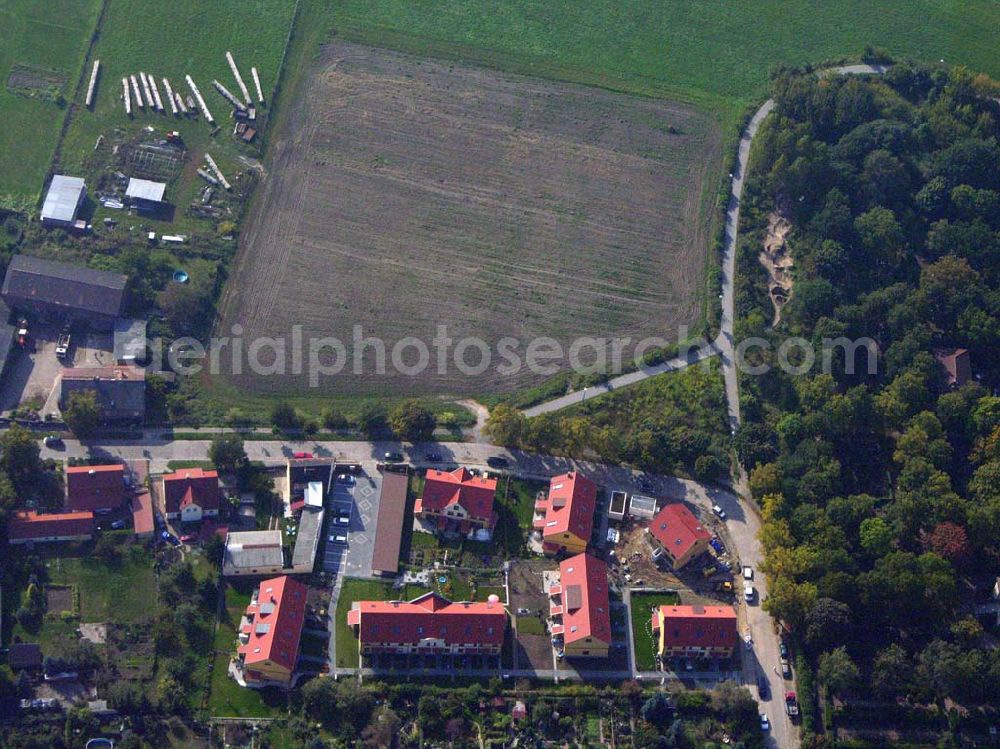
point(64, 292)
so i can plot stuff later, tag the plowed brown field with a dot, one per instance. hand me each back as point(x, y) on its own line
point(404, 193)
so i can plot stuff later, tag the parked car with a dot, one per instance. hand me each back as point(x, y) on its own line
point(302, 456)
point(786, 668)
point(719, 511)
point(747, 572)
point(762, 687)
point(338, 538)
point(53, 441)
point(783, 648)
point(118, 525)
point(346, 478)
point(393, 457)
point(749, 593)
point(791, 705)
point(765, 724)
point(497, 461)
point(342, 520)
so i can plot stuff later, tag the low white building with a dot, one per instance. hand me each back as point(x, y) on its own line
point(253, 553)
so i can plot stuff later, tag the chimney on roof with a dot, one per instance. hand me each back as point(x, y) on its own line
point(91, 472)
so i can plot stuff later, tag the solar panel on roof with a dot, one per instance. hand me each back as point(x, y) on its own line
point(574, 597)
point(267, 608)
point(262, 628)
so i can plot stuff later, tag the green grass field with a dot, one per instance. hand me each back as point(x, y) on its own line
point(136, 35)
point(117, 592)
point(645, 645)
point(44, 34)
point(703, 51)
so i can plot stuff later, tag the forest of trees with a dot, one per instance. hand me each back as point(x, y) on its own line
point(880, 492)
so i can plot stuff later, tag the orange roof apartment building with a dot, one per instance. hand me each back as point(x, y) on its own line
point(696, 631)
point(270, 631)
point(678, 534)
point(565, 517)
point(579, 607)
point(429, 624)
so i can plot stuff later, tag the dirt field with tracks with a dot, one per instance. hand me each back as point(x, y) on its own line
point(404, 194)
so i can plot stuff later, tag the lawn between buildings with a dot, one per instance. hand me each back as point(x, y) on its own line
point(102, 591)
point(642, 605)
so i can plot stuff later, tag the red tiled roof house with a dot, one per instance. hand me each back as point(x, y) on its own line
point(270, 631)
point(458, 502)
point(676, 533)
point(30, 527)
point(429, 624)
point(696, 631)
point(95, 488)
point(191, 494)
point(565, 517)
point(579, 607)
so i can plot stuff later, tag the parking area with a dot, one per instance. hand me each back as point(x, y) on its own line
point(31, 375)
point(351, 510)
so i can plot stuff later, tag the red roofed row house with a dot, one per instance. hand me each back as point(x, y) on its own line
point(696, 631)
point(191, 494)
point(89, 490)
point(458, 502)
point(430, 624)
point(30, 527)
point(676, 533)
point(579, 607)
point(565, 517)
point(270, 631)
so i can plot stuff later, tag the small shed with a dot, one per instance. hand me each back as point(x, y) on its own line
point(144, 193)
point(618, 506)
point(642, 507)
point(63, 200)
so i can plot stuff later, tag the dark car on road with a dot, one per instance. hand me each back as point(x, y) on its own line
point(497, 461)
point(433, 457)
point(393, 457)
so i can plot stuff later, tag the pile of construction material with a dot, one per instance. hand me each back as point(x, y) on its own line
point(141, 92)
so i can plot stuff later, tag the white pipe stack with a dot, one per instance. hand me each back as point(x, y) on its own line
point(207, 177)
point(228, 95)
point(201, 101)
point(93, 82)
point(256, 82)
point(218, 172)
point(156, 92)
point(136, 91)
point(180, 103)
point(126, 97)
point(238, 77)
point(170, 96)
point(146, 91)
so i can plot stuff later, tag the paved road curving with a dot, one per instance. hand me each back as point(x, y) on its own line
point(763, 659)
